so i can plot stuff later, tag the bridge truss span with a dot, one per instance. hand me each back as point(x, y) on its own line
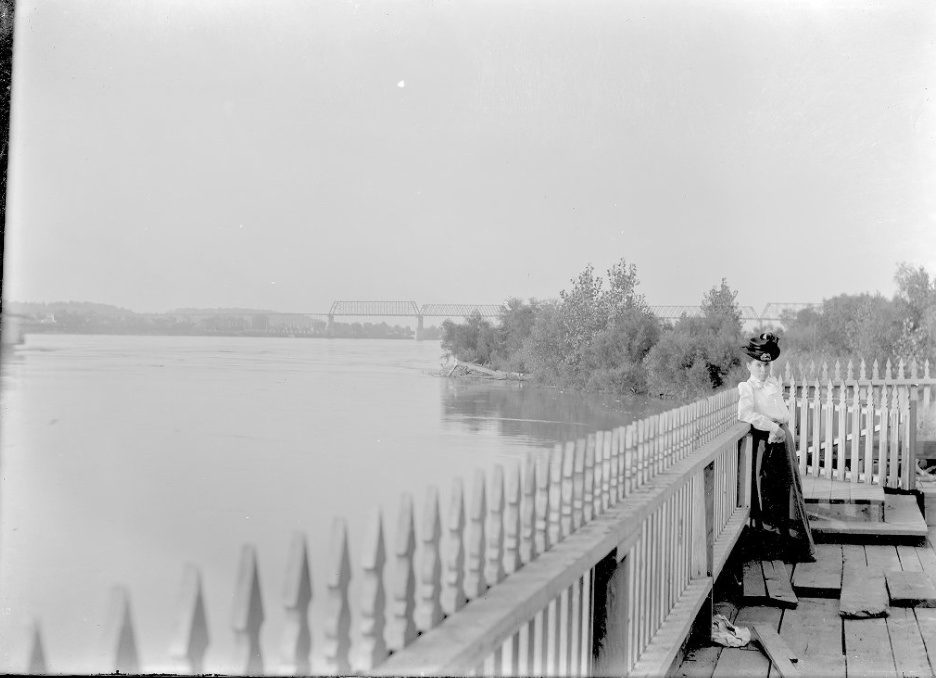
point(460, 310)
point(378, 308)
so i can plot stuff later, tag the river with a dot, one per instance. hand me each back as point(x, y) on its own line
point(125, 457)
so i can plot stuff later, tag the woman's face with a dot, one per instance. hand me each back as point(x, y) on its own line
point(758, 369)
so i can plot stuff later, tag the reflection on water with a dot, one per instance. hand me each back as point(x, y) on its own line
point(547, 415)
point(123, 458)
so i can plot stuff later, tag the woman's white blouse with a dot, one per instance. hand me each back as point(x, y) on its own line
point(761, 404)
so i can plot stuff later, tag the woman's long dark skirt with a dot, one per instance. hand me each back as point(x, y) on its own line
point(778, 507)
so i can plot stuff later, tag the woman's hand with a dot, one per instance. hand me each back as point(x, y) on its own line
point(777, 436)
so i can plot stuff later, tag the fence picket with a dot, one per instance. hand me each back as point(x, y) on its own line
point(555, 494)
point(630, 459)
point(429, 612)
point(578, 484)
point(494, 572)
point(120, 648)
point(248, 615)
point(512, 528)
point(190, 637)
point(588, 480)
point(542, 504)
point(568, 483)
point(371, 649)
point(528, 512)
point(297, 594)
point(36, 665)
point(475, 584)
point(606, 471)
point(893, 472)
point(614, 467)
point(856, 436)
point(869, 434)
point(337, 626)
point(402, 631)
point(453, 594)
point(597, 509)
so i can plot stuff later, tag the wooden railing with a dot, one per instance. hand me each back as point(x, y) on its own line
point(592, 558)
point(858, 425)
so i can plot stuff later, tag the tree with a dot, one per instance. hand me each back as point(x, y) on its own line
point(699, 354)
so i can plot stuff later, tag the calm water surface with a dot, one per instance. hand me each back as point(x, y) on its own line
point(124, 458)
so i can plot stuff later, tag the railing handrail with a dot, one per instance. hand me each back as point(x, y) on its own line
point(463, 640)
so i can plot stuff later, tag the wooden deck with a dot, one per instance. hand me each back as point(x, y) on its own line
point(900, 643)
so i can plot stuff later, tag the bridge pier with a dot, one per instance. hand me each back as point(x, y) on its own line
point(419, 328)
point(331, 324)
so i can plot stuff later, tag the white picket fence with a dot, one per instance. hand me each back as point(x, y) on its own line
point(858, 425)
point(502, 581)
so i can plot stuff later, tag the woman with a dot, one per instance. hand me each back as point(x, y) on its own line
point(778, 505)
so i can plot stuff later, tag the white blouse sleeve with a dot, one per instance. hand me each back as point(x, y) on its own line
point(747, 411)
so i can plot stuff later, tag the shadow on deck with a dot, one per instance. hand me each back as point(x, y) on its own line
point(863, 609)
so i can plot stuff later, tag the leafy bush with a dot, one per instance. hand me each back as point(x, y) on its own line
point(699, 354)
point(595, 338)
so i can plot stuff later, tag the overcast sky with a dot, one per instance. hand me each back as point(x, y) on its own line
point(289, 153)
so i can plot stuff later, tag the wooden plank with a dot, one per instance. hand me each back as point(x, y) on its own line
point(780, 654)
point(882, 557)
point(814, 628)
point(910, 589)
point(868, 649)
point(902, 518)
point(699, 662)
point(926, 623)
point(823, 578)
point(824, 666)
point(735, 662)
point(907, 644)
point(909, 560)
point(864, 592)
point(759, 614)
point(753, 588)
point(777, 581)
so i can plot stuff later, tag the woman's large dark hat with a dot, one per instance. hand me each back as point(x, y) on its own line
point(764, 348)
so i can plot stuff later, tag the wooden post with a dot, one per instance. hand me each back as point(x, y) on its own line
point(429, 609)
point(630, 459)
point(453, 594)
point(606, 472)
point(372, 647)
point(911, 463)
point(190, 635)
point(804, 429)
point(699, 561)
point(337, 629)
point(842, 445)
point(402, 631)
point(248, 615)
